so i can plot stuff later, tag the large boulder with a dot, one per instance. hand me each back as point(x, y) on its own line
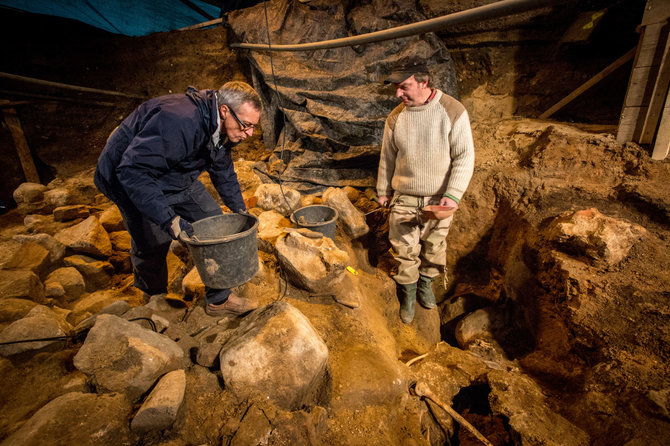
point(161, 407)
point(39, 323)
point(56, 249)
point(77, 418)
point(276, 354)
point(87, 237)
point(282, 199)
point(121, 356)
point(314, 264)
point(30, 256)
point(22, 285)
point(65, 283)
point(353, 220)
point(97, 273)
point(271, 226)
point(596, 237)
point(522, 402)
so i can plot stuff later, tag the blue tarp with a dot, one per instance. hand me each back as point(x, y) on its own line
point(128, 17)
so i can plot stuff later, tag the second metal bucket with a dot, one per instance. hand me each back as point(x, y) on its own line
point(318, 218)
point(225, 249)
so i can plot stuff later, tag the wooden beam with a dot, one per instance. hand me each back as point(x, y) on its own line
point(66, 86)
point(588, 84)
point(47, 98)
point(202, 25)
point(657, 98)
point(662, 144)
point(27, 163)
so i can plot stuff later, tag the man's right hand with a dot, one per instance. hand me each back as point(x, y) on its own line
point(179, 225)
point(384, 200)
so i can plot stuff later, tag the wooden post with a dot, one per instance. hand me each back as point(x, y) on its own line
point(662, 144)
point(657, 98)
point(27, 163)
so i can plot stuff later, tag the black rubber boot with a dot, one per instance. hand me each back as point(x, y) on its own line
point(425, 293)
point(407, 295)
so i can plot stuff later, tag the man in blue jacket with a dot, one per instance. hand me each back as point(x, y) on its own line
point(150, 165)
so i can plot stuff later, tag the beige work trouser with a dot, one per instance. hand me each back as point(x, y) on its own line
point(419, 244)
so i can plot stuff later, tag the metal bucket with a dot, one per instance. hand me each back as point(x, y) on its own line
point(225, 249)
point(317, 218)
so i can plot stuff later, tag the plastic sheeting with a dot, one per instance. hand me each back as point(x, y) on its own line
point(128, 17)
point(333, 100)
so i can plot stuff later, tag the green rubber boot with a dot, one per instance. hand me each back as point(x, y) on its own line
point(407, 295)
point(425, 293)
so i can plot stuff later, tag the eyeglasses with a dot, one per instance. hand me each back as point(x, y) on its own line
point(244, 126)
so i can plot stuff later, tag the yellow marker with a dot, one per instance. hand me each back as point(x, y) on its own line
point(352, 271)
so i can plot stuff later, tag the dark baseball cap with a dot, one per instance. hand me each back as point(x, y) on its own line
point(406, 67)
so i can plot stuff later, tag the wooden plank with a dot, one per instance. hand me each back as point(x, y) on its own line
point(662, 144)
point(27, 163)
point(202, 25)
point(629, 127)
point(659, 93)
point(655, 11)
point(588, 84)
point(66, 86)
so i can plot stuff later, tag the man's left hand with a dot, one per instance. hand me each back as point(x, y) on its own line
point(448, 202)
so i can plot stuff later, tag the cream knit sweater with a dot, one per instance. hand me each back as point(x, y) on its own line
point(427, 150)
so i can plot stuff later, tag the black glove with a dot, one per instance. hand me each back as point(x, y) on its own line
point(178, 225)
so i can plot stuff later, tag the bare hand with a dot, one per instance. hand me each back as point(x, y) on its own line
point(384, 200)
point(448, 202)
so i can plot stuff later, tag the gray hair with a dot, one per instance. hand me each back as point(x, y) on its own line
point(235, 93)
point(423, 77)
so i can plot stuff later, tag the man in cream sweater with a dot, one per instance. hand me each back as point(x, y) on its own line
point(427, 158)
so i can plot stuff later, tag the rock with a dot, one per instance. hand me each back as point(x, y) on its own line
point(117, 308)
point(353, 220)
point(367, 376)
point(72, 212)
point(270, 197)
point(92, 304)
point(40, 322)
point(121, 240)
point(159, 410)
point(12, 309)
point(29, 193)
point(21, 284)
point(56, 249)
point(593, 235)
point(87, 237)
point(7, 250)
point(97, 273)
point(111, 219)
point(192, 284)
point(121, 356)
point(77, 418)
point(316, 265)
point(456, 307)
point(519, 399)
point(480, 324)
point(246, 176)
point(276, 354)
point(30, 256)
point(66, 279)
point(57, 197)
point(271, 225)
point(34, 223)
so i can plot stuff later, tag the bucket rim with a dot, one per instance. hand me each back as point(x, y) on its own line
point(310, 225)
point(226, 238)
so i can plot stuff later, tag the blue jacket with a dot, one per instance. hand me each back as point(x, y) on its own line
point(161, 148)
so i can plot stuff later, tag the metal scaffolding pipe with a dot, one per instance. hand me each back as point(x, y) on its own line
point(501, 8)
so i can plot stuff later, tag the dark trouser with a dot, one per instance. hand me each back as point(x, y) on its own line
point(150, 244)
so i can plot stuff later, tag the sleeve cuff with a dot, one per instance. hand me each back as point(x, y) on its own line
point(457, 200)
